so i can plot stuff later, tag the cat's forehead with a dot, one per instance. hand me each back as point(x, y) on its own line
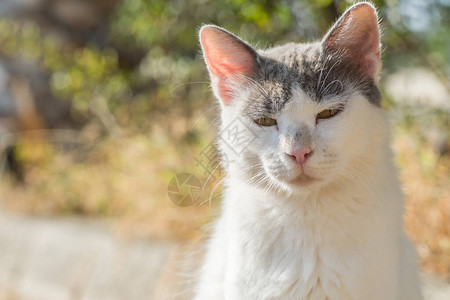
point(319, 75)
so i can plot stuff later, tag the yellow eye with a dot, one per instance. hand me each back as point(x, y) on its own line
point(266, 121)
point(328, 113)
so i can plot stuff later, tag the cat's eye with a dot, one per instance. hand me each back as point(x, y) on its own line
point(328, 113)
point(266, 121)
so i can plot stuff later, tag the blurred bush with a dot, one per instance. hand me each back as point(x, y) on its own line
point(140, 108)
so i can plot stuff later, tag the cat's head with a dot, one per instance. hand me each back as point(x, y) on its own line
point(299, 116)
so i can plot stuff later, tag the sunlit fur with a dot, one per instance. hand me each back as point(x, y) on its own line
point(330, 229)
point(335, 236)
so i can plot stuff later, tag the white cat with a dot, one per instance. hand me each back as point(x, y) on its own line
point(312, 206)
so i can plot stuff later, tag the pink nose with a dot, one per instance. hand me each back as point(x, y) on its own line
point(300, 154)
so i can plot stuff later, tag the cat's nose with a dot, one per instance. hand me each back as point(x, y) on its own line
point(300, 154)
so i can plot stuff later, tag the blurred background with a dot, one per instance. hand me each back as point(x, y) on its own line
point(103, 102)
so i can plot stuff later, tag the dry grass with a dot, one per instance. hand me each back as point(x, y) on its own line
point(426, 184)
point(122, 179)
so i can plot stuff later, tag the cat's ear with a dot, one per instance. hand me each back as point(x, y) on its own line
point(229, 59)
point(356, 34)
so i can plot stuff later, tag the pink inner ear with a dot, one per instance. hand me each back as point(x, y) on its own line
point(227, 63)
point(357, 32)
point(226, 57)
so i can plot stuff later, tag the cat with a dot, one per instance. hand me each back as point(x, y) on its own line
point(312, 207)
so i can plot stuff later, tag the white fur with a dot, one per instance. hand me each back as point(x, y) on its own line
point(337, 237)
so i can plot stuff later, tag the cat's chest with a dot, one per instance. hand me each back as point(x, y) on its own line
point(301, 256)
point(283, 261)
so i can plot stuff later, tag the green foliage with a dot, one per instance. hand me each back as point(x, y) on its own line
point(172, 25)
point(80, 75)
point(151, 66)
point(87, 74)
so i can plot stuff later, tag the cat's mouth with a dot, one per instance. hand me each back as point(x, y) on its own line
point(296, 177)
point(300, 175)
point(291, 174)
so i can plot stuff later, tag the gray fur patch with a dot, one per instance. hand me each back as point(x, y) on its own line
point(319, 74)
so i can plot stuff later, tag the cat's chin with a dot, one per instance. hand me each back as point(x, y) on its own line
point(302, 180)
point(295, 179)
point(300, 183)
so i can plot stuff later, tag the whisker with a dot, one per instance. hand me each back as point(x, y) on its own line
point(215, 122)
point(202, 114)
point(212, 172)
point(212, 192)
point(258, 85)
point(214, 189)
point(329, 85)
point(328, 73)
point(320, 78)
point(185, 83)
